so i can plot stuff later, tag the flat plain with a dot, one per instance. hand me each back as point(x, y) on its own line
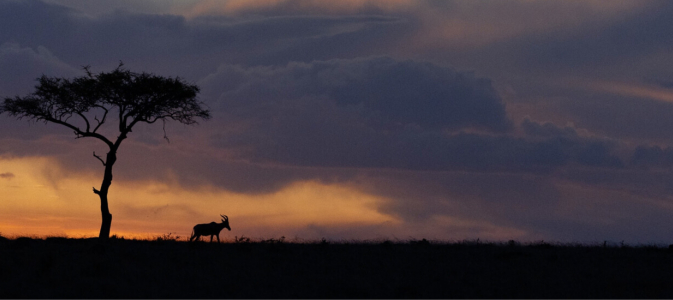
point(59, 267)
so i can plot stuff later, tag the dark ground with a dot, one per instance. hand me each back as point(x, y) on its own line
point(84, 268)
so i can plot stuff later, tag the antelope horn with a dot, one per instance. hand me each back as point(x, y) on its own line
point(224, 217)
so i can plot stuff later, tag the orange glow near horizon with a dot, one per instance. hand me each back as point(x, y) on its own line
point(41, 200)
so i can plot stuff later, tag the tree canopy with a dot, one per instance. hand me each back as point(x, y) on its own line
point(134, 97)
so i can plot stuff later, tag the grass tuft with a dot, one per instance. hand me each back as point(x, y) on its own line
point(167, 237)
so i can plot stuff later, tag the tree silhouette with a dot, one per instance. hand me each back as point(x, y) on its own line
point(85, 103)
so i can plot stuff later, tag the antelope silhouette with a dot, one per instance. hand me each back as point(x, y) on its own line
point(211, 229)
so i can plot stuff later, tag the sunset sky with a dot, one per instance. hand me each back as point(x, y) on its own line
point(518, 119)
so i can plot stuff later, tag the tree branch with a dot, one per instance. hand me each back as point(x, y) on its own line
point(85, 120)
point(79, 132)
point(87, 69)
point(164, 126)
point(101, 160)
point(100, 122)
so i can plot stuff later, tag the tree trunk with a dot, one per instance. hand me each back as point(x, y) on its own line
point(102, 193)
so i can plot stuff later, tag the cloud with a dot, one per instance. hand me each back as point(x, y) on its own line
point(660, 91)
point(570, 204)
point(620, 44)
point(398, 92)
point(636, 112)
point(639, 119)
point(22, 65)
point(668, 84)
point(19, 69)
point(188, 162)
point(170, 44)
point(653, 157)
point(535, 129)
point(7, 175)
point(96, 8)
point(347, 112)
point(185, 162)
point(526, 37)
point(274, 7)
point(383, 113)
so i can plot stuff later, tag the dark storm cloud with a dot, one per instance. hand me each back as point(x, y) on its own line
point(20, 66)
point(485, 196)
point(169, 43)
point(572, 204)
point(379, 112)
point(653, 157)
point(192, 169)
point(393, 92)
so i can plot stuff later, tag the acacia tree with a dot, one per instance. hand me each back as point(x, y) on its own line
point(85, 103)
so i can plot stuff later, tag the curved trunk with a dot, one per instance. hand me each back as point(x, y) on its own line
point(102, 193)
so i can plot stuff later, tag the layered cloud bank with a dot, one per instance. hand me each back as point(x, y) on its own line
point(362, 119)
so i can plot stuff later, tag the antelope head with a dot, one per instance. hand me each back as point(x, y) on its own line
point(225, 221)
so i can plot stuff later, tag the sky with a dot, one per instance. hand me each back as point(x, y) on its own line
point(361, 119)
